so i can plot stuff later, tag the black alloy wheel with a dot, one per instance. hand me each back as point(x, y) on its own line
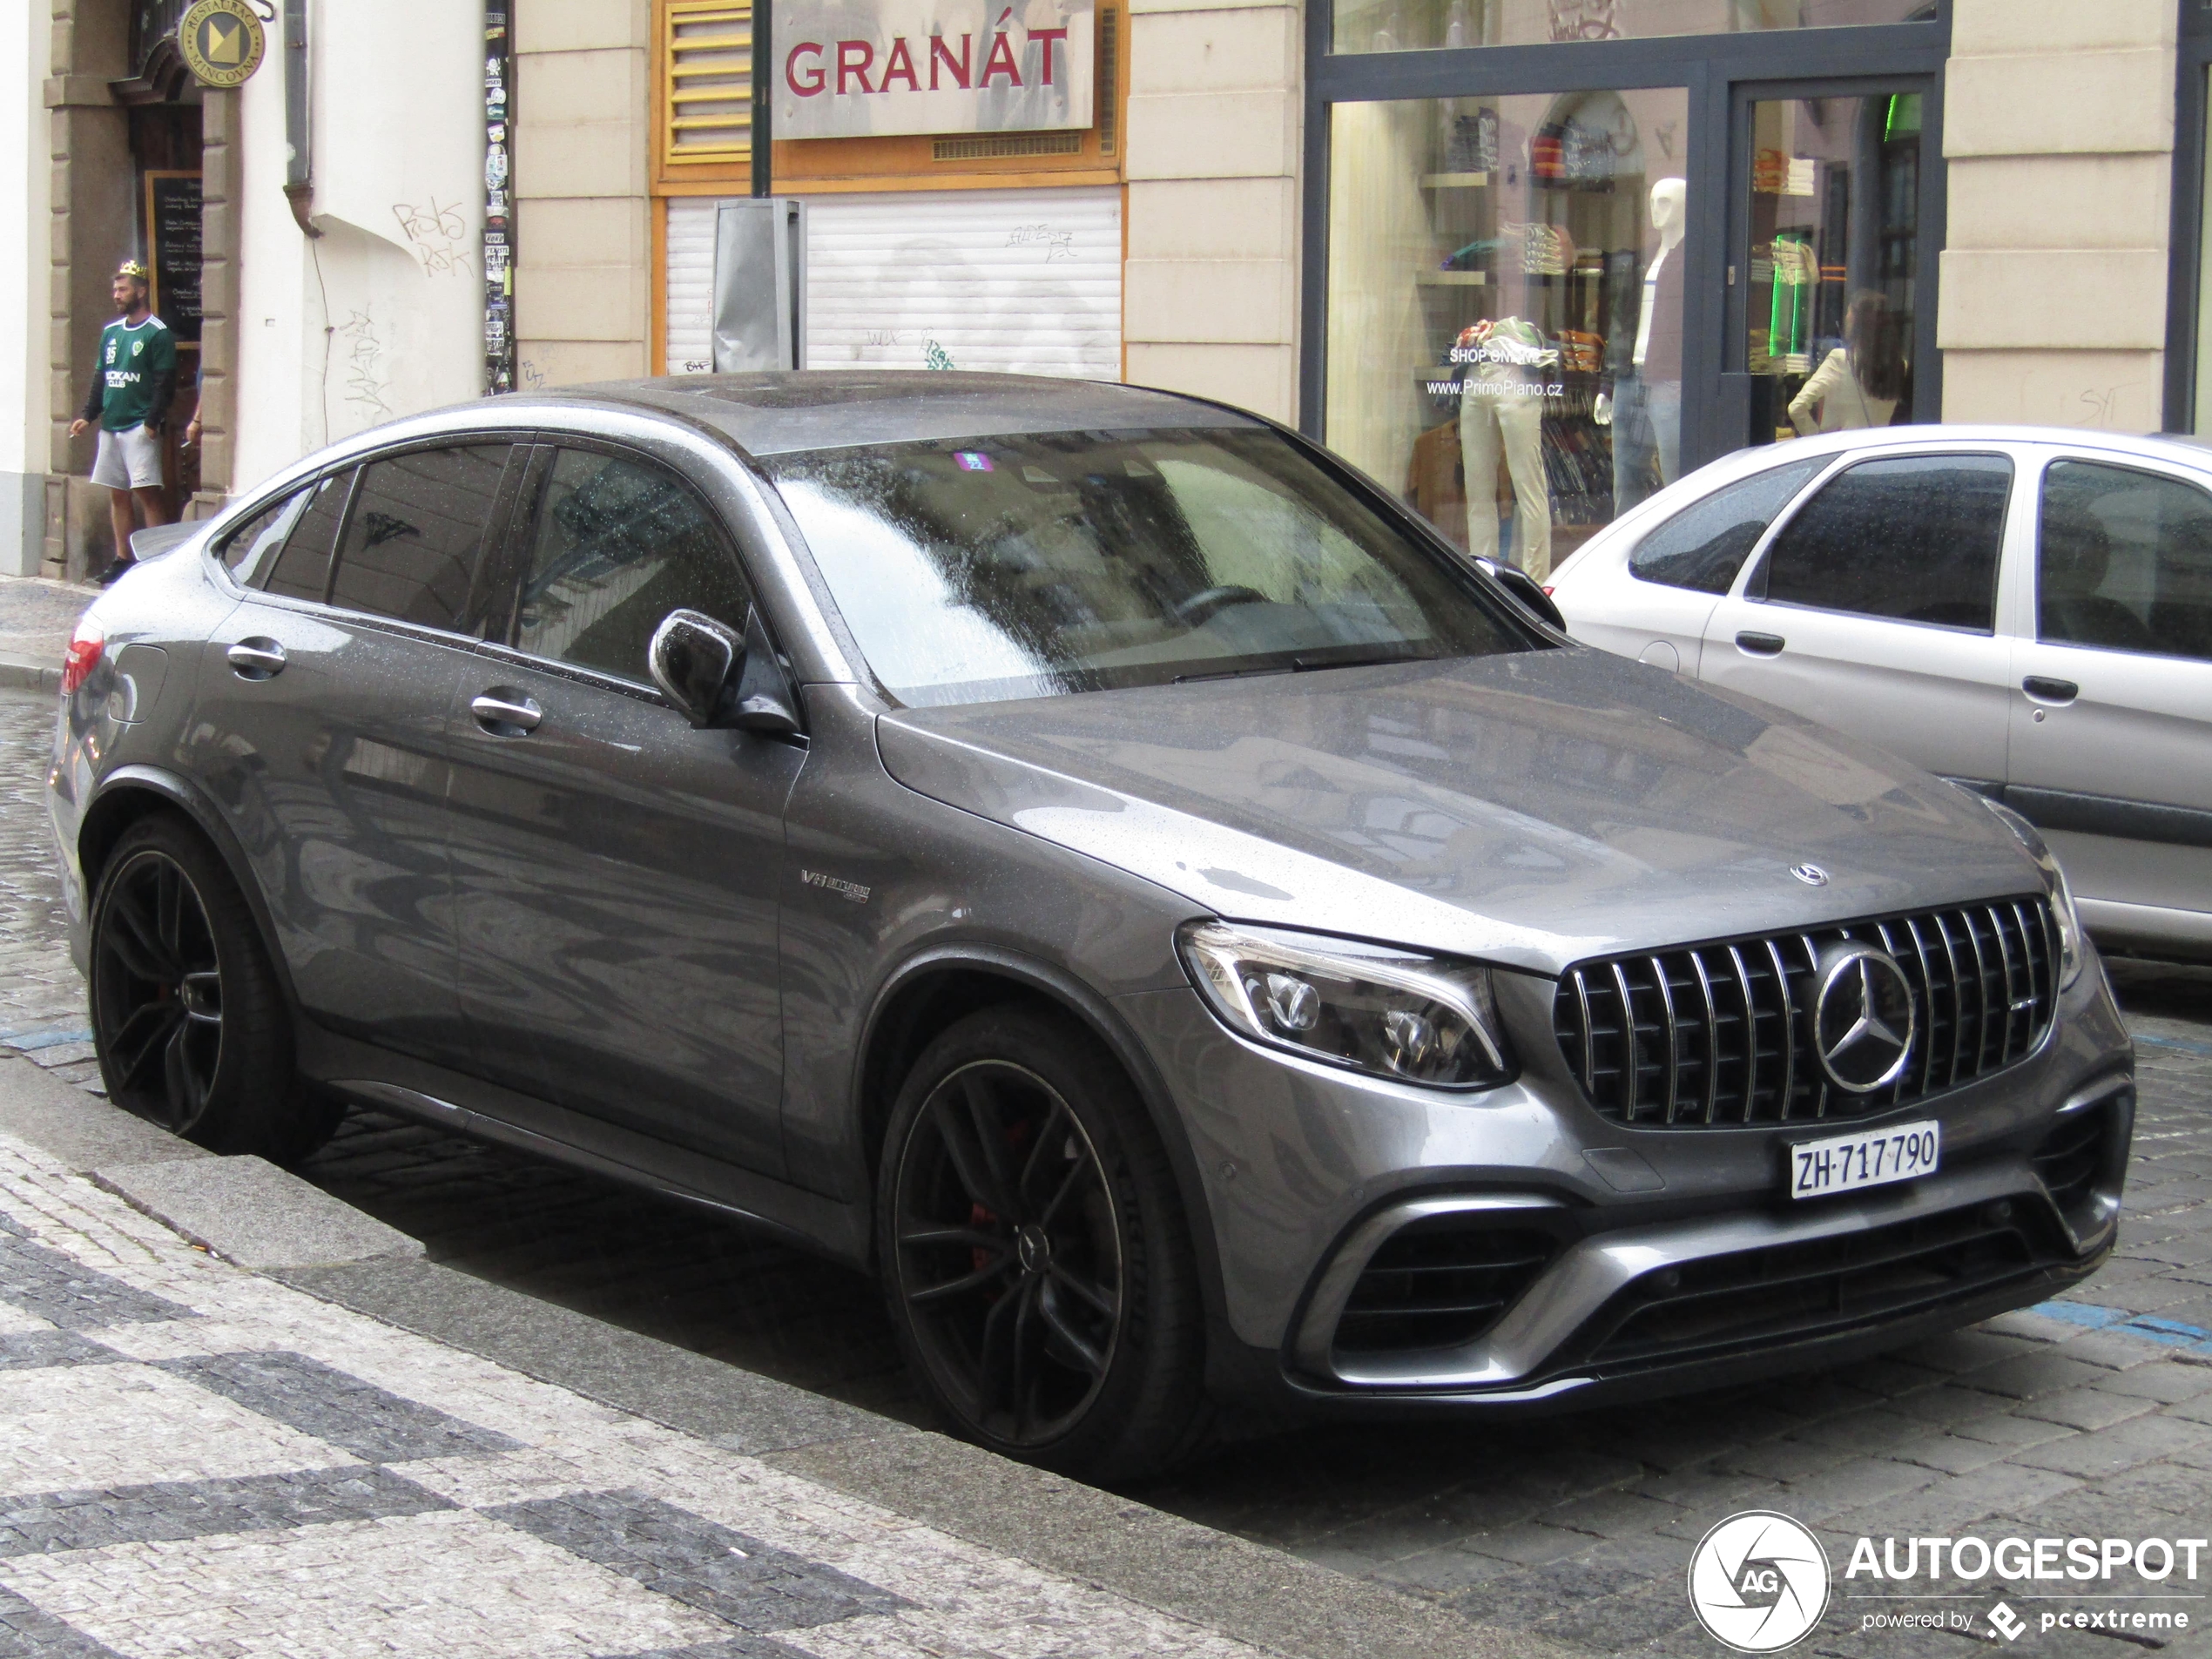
point(1034, 1256)
point(188, 1018)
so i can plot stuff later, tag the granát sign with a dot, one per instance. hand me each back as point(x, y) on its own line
point(850, 71)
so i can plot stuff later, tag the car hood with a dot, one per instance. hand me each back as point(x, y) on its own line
point(1531, 809)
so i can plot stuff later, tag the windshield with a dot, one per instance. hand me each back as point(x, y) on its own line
point(983, 569)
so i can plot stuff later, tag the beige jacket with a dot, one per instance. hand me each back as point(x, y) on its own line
point(1840, 401)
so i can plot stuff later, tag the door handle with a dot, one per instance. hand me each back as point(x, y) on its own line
point(2043, 689)
point(507, 714)
point(1761, 644)
point(257, 658)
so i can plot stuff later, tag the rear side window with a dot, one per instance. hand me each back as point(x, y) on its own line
point(252, 545)
point(2124, 561)
point(302, 571)
point(620, 543)
point(1914, 538)
point(1703, 547)
point(416, 532)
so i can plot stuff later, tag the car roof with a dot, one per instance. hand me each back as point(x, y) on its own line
point(777, 414)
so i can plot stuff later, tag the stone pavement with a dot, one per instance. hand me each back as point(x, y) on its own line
point(35, 617)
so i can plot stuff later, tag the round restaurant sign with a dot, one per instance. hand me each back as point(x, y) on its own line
point(221, 41)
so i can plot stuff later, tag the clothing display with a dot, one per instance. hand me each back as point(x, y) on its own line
point(1501, 416)
point(1796, 279)
point(1833, 400)
point(1647, 439)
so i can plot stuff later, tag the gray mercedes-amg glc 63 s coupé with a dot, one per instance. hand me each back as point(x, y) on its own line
point(1090, 858)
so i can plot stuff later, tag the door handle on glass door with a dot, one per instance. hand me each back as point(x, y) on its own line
point(256, 658)
point(1761, 644)
point(2045, 690)
point(506, 714)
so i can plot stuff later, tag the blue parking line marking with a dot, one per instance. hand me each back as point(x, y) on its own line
point(2181, 1045)
point(28, 1041)
point(2169, 1332)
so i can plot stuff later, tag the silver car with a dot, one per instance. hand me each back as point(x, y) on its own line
point(1089, 858)
point(2025, 610)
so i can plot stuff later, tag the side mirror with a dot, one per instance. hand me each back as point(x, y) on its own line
point(1524, 589)
point(693, 658)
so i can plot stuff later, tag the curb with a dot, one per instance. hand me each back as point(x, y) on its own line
point(271, 1222)
point(20, 674)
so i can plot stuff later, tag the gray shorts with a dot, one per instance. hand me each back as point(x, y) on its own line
point(128, 459)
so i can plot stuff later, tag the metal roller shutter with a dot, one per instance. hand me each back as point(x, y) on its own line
point(1017, 282)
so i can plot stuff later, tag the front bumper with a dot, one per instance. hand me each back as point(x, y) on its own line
point(1620, 1260)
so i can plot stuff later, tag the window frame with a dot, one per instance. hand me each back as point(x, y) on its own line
point(2029, 618)
point(480, 590)
point(1752, 582)
point(512, 561)
point(2185, 252)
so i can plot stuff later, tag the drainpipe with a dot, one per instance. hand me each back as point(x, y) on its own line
point(299, 171)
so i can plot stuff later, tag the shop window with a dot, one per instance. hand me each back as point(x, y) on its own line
point(1405, 26)
point(706, 103)
point(1505, 304)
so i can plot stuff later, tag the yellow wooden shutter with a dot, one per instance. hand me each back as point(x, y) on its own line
point(707, 63)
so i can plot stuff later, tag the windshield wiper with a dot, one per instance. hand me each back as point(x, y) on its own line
point(1237, 673)
point(1308, 665)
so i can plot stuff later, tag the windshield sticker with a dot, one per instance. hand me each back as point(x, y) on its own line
point(973, 461)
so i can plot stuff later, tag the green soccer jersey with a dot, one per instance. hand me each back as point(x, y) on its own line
point(133, 361)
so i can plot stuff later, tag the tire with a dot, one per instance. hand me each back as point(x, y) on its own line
point(1035, 1253)
point(188, 1018)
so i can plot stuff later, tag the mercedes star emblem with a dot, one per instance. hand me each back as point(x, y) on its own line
point(1862, 1017)
point(1812, 875)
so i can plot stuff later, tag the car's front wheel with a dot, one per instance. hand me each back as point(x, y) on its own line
point(188, 1019)
point(1035, 1251)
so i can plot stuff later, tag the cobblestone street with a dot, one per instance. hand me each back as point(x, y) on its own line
point(2091, 1417)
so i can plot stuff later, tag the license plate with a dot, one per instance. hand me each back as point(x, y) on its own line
point(1845, 1162)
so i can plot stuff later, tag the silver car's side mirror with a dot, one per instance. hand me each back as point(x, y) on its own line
point(693, 658)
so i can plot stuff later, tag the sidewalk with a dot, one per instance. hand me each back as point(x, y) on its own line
point(35, 617)
point(207, 1446)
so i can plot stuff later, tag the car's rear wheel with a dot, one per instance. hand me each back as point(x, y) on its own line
point(1034, 1252)
point(188, 1019)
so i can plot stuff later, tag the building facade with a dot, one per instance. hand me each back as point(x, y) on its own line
point(1523, 260)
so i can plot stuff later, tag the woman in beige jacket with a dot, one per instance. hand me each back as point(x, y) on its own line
point(1861, 382)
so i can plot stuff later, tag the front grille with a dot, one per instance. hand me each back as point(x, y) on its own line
point(1438, 1284)
point(1760, 1296)
point(2070, 1156)
point(1722, 1035)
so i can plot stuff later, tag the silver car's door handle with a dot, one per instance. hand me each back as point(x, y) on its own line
point(506, 714)
point(2043, 689)
point(256, 659)
point(1760, 644)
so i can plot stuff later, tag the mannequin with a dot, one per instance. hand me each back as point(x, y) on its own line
point(1501, 416)
point(1644, 407)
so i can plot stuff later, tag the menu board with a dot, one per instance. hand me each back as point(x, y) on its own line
point(173, 248)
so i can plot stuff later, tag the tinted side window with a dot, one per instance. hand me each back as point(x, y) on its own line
point(248, 549)
point(619, 544)
point(302, 571)
point(1703, 546)
point(416, 530)
point(2125, 562)
point(1914, 539)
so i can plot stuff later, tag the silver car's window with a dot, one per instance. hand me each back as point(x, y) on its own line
point(1703, 546)
point(302, 571)
point(249, 548)
point(619, 543)
point(981, 568)
point(1910, 538)
point(2125, 562)
point(416, 532)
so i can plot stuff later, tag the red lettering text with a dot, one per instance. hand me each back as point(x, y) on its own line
point(1048, 36)
point(1000, 62)
point(962, 67)
point(853, 57)
point(899, 65)
point(808, 87)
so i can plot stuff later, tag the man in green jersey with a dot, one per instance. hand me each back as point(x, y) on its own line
point(132, 387)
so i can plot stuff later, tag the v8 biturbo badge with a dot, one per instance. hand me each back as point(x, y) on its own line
point(222, 42)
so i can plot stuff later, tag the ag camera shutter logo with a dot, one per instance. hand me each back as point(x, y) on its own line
point(1758, 1581)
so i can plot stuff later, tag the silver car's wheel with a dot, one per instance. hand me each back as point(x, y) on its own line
point(1034, 1255)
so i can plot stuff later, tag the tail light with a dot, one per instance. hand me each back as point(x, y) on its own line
point(82, 654)
point(1549, 590)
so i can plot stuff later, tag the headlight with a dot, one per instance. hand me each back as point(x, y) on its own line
point(1390, 1013)
point(2054, 880)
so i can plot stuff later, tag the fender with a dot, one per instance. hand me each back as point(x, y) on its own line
point(189, 799)
point(1107, 1025)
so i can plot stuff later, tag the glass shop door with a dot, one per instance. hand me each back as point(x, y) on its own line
point(1831, 282)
